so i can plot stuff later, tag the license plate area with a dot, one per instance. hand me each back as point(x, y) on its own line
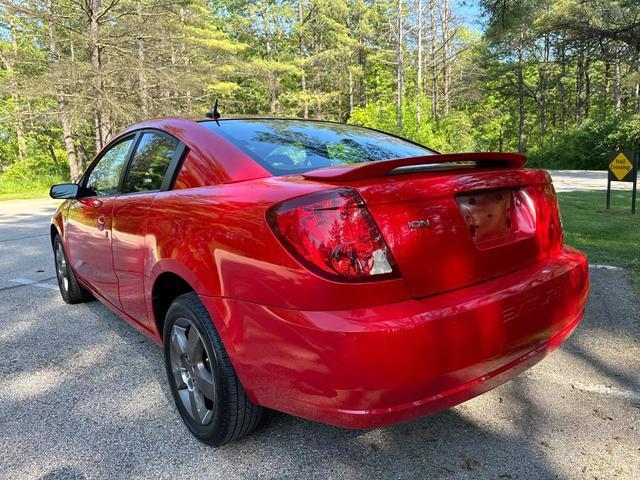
point(497, 217)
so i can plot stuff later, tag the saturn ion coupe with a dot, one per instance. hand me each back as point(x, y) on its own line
point(328, 271)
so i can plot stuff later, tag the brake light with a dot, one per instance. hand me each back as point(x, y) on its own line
point(333, 233)
point(555, 220)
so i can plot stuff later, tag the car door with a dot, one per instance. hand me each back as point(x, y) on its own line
point(89, 221)
point(150, 170)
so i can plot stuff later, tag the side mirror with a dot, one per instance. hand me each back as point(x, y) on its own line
point(64, 191)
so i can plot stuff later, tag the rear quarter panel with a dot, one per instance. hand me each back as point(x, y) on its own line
point(218, 240)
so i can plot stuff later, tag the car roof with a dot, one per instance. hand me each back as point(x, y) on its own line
point(227, 161)
point(311, 120)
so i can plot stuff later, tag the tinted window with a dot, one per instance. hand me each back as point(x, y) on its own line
point(105, 176)
point(295, 146)
point(149, 164)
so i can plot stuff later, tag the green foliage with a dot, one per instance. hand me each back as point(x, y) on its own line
point(627, 132)
point(587, 145)
point(557, 79)
point(375, 115)
point(42, 166)
point(11, 188)
point(603, 20)
point(449, 133)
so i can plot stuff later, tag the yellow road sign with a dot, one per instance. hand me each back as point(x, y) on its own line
point(620, 166)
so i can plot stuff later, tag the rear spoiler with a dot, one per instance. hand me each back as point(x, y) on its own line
point(361, 171)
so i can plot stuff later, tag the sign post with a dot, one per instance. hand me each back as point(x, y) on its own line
point(623, 167)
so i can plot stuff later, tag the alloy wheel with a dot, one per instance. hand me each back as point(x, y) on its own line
point(192, 371)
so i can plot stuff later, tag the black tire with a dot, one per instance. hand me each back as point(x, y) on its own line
point(70, 290)
point(207, 392)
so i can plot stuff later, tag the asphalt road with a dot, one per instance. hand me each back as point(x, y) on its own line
point(83, 395)
point(570, 180)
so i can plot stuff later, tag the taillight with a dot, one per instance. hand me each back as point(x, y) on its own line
point(333, 233)
point(556, 230)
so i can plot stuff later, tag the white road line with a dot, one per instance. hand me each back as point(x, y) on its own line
point(606, 390)
point(33, 283)
point(605, 267)
point(561, 380)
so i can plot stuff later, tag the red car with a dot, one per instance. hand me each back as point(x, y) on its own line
point(332, 272)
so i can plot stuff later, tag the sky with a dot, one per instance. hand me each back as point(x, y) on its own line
point(469, 12)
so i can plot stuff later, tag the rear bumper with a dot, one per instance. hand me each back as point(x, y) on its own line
point(382, 365)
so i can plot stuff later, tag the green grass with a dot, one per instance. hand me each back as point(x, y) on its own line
point(608, 237)
point(18, 189)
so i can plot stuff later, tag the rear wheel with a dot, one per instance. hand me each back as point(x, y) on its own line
point(204, 385)
point(70, 290)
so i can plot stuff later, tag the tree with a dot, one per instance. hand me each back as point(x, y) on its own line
point(544, 76)
point(614, 20)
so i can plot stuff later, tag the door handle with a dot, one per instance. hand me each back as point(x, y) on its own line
point(92, 202)
point(101, 222)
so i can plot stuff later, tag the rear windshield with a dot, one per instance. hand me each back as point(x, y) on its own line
point(295, 146)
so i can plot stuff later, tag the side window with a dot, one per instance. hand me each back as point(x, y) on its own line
point(105, 176)
point(149, 163)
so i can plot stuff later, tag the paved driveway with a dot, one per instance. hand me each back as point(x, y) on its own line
point(83, 395)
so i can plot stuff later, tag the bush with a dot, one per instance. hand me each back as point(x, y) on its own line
point(451, 133)
point(16, 186)
point(586, 146)
point(33, 175)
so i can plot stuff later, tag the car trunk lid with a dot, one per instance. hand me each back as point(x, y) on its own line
point(461, 225)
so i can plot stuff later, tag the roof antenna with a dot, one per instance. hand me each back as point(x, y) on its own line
point(214, 114)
